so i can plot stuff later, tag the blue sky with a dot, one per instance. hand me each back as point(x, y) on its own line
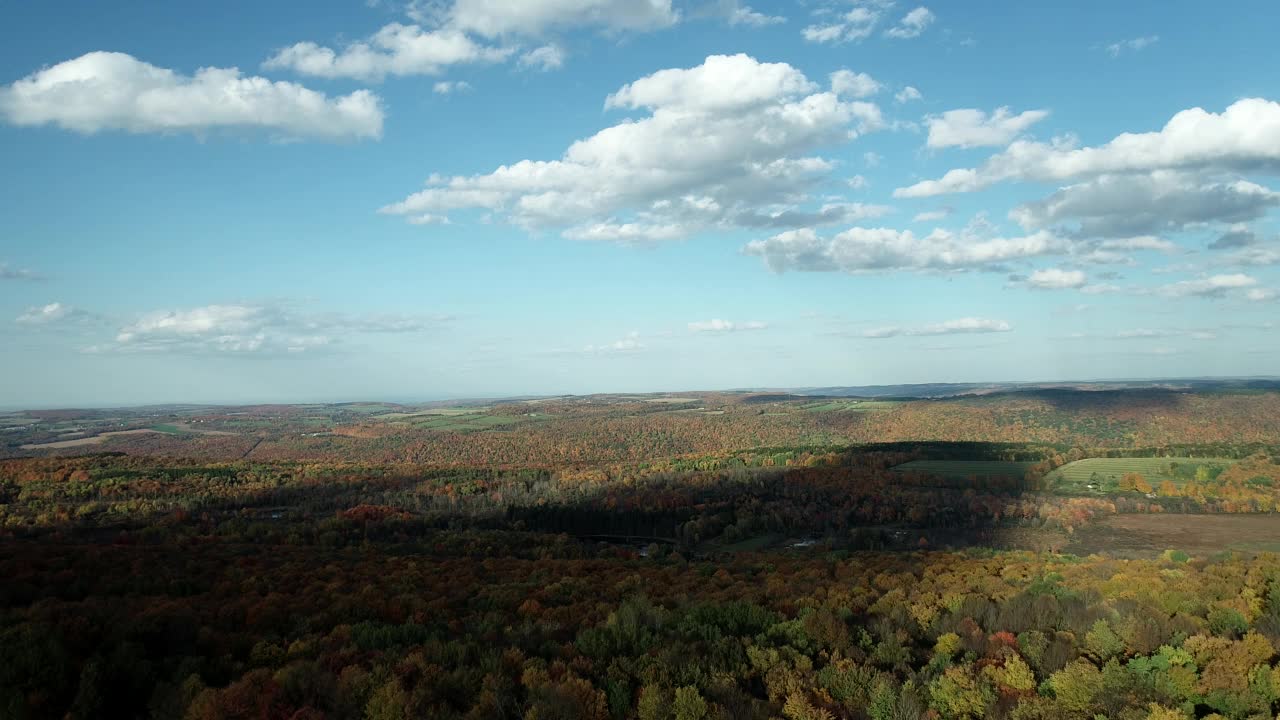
point(477, 198)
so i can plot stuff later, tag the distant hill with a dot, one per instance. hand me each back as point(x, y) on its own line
point(941, 390)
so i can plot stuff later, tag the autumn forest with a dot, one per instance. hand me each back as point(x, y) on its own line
point(1030, 553)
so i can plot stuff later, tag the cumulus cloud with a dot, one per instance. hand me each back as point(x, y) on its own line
point(724, 144)
point(1213, 286)
point(962, 326)
point(1243, 138)
point(1261, 294)
point(114, 91)
point(544, 58)
point(861, 250)
point(912, 24)
point(396, 49)
point(856, 24)
point(492, 18)
point(1132, 45)
point(1057, 279)
point(848, 83)
point(247, 329)
point(1139, 204)
point(717, 325)
point(907, 94)
point(970, 128)
point(738, 14)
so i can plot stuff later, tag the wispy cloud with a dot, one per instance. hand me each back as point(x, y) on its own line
point(725, 326)
point(961, 326)
point(1116, 49)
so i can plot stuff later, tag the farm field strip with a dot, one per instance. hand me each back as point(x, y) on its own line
point(1178, 470)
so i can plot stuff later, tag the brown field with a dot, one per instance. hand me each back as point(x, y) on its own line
point(95, 440)
point(1197, 535)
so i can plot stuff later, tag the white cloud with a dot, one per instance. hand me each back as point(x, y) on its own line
point(856, 24)
point(1245, 137)
point(1132, 45)
point(907, 94)
point(450, 87)
point(724, 144)
point(912, 24)
point(962, 326)
point(626, 233)
point(858, 182)
point(1261, 294)
point(1057, 279)
point(44, 314)
point(1214, 286)
point(739, 14)
point(848, 83)
point(860, 250)
point(725, 326)
point(114, 91)
point(396, 49)
point(721, 82)
point(246, 329)
point(1146, 333)
point(970, 128)
point(544, 58)
point(1139, 242)
point(493, 18)
point(428, 219)
point(1140, 204)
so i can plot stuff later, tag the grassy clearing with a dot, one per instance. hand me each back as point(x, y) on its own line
point(167, 428)
point(961, 469)
point(1102, 475)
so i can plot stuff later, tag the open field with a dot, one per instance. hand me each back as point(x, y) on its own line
point(1197, 535)
point(1104, 473)
point(962, 469)
point(851, 405)
point(78, 442)
point(445, 411)
point(467, 423)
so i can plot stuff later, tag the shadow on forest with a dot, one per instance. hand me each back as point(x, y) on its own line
point(1137, 400)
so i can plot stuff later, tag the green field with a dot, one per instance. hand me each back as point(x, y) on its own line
point(846, 405)
point(1104, 474)
point(961, 469)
